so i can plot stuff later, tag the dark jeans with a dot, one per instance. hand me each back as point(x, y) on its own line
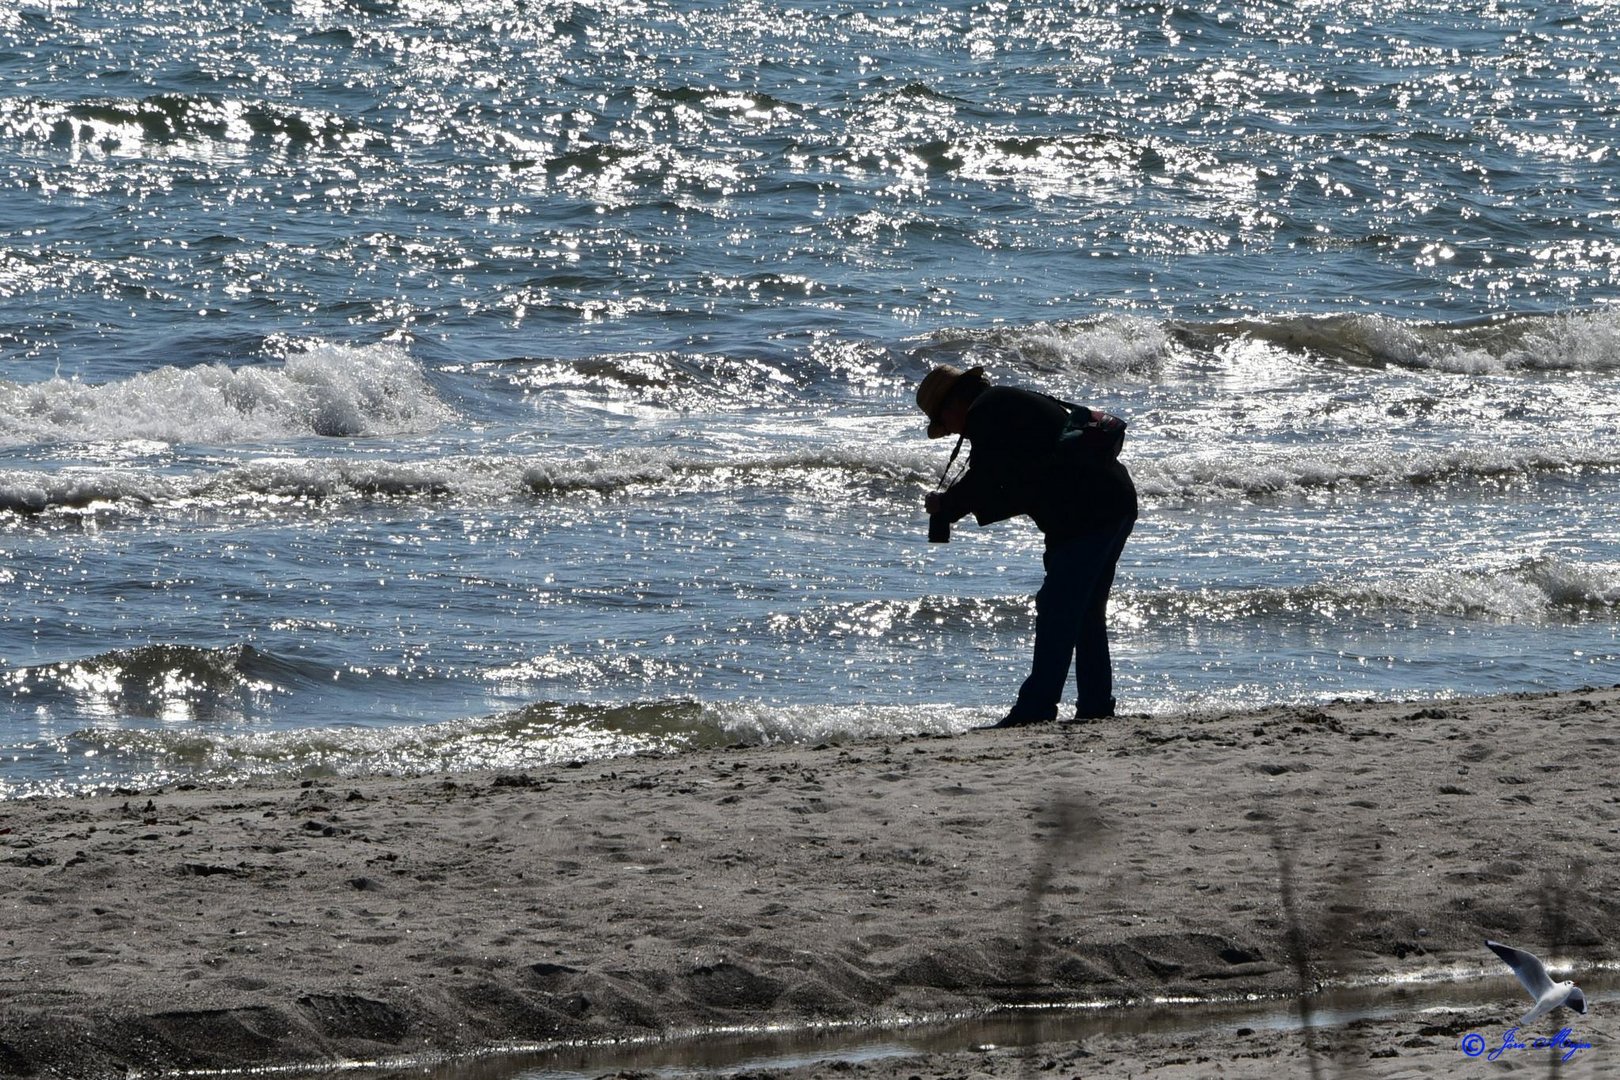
point(1071, 612)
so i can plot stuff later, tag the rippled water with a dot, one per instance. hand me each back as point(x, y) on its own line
point(1453, 999)
point(420, 384)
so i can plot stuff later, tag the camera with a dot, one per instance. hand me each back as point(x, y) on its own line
point(939, 529)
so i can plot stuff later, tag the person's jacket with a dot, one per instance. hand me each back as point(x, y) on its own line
point(1022, 463)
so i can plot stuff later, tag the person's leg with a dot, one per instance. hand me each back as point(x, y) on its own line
point(1093, 666)
point(1060, 609)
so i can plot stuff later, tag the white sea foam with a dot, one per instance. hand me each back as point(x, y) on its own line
point(1110, 347)
point(1263, 471)
point(1572, 341)
point(33, 492)
point(490, 478)
point(347, 478)
point(321, 390)
point(541, 735)
point(1586, 342)
point(1531, 590)
point(876, 470)
point(900, 619)
point(171, 125)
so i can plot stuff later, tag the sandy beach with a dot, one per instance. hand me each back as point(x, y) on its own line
point(1199, 856)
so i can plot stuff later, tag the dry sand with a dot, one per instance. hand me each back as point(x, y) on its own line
point(1203, 856)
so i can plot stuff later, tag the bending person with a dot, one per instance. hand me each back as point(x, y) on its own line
point(1058, 463)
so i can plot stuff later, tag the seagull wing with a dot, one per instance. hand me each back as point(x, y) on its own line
point(1540, 1009)
point(1560, 994)
point(1531, 971)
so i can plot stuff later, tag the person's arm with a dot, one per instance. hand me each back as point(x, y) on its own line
point(988, 489)
point(1012, 432)
point(964, 497)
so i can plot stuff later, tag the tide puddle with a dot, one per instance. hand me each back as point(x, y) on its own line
point(1012, 1028)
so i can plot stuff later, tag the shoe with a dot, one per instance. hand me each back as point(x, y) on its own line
point(1020, 719)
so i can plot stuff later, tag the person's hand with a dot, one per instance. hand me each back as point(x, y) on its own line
point(932, 502)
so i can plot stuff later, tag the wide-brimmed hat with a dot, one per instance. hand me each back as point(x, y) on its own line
point(936, 388)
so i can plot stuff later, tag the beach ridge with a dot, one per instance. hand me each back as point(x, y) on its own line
point(1206, 855)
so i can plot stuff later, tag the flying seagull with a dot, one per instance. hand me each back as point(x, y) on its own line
point(1533, 977)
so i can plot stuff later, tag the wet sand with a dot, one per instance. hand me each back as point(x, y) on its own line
point(1199, 856)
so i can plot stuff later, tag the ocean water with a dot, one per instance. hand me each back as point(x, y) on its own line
point(397, 385)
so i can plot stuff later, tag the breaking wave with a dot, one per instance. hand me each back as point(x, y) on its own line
point(1532, 590)
point(264, 484)
point(873, 472)
point(536, 736)
point(690, 381)
point(115, 125)
point(1573, 341)
point(1133, 348)
point(322, 390)
point(1113, 347)
point(163, 680)
point(1200, 475)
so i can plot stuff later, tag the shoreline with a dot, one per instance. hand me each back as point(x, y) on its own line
point(1200, 855)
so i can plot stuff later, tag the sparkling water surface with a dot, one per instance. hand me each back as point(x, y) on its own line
point(431, 384)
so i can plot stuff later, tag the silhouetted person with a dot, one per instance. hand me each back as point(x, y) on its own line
point(1059, 463)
